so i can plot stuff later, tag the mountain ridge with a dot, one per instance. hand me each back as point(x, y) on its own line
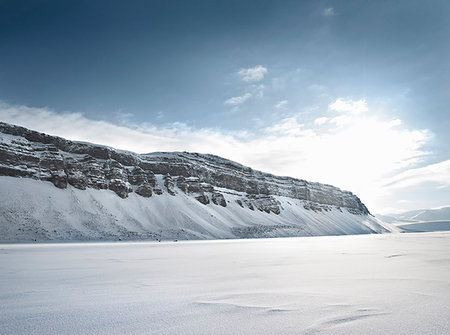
point(211, 181)
point(127, 157)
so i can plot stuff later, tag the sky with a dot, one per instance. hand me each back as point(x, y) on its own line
point(350, 93)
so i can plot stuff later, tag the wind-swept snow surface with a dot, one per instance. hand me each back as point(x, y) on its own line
point(362, 284)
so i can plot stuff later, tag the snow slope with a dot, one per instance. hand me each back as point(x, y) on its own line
point(432, 214)
point(33, 210)
point(386, 284)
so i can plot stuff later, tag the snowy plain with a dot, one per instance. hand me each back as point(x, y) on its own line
point(360, 284)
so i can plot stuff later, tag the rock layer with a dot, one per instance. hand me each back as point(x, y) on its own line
point(27, 153)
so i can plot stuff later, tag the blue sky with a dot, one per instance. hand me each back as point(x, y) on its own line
point(351, 93)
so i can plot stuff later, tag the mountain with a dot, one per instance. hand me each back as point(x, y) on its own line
point(441, 213)
point(56, 189)
point(420, 220)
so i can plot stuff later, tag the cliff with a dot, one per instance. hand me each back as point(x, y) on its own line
point(209, 180)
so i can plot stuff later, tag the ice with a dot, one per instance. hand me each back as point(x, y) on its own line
point(361, 284)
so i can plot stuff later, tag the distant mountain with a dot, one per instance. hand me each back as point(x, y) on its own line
point(441, 213)
point(56, 189)
point(421, 220)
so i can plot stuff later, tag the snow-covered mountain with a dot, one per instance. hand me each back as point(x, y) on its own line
point(441, 213)
point(56, 189)
point(420, 220)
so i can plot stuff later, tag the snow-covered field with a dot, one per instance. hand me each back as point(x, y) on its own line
point(364, 284)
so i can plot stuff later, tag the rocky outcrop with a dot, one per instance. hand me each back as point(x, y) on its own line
point(203, 199)
point(29, 154)
point(219, 199)
point(169, 184)
point(266, 204)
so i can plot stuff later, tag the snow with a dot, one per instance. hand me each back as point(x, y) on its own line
point(33, 210)
point(425, 226)
point(440, 213)
point(422, 220)
point(430, 214)
point(360, 284)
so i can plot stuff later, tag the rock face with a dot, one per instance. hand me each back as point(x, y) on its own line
point(208, 179)
point(27, 153)
point(219, 199)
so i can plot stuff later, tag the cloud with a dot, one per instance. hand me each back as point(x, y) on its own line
point(252, 74)
point(360, 155)
point(141, 138)
point(321, 120)
point(341, 120)
point(349, 106)
point(234, 101)
point(280, 104)
point(329, 11)
point(287, 127)
point(435, 173)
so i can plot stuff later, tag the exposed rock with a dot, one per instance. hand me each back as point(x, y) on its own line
point(121, 187)
point(95, 173)
point(249, 204)
point(75, 175)
point(195, 185)
point(169, 184)
point(158, 191)
point(316, 207)
point(144, 190)
point(137, 176)
point(265, 203)
point(59, 179)
point(181, 183)
point(203, 198)
point(262, 230)
point(151, 178)
point(218, 199)
point(26, 153)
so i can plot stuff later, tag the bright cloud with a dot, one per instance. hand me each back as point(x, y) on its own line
point(349, 106)
point(287, 127)
point(252, 74)
point(436, 173)
point(341, 120)
point(234, 101)
point(321, 120)
point(358, 155)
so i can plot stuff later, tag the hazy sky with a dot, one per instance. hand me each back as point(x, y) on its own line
point(350, 93)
